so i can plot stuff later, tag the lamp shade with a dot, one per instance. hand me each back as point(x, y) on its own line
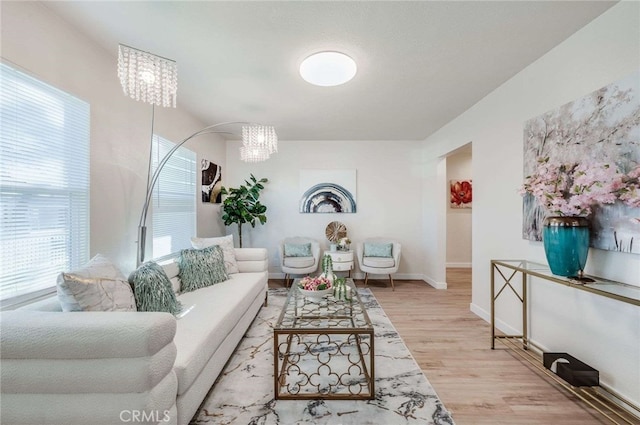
point(147, 77)
point(261, 137)
point(253, 154)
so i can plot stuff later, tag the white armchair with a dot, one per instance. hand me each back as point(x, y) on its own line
point(292, 259)
point(378, 256)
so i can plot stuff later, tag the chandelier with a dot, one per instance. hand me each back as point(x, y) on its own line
point(253, 154)
point(258, 142)
point(147, 77)
point(153, 79)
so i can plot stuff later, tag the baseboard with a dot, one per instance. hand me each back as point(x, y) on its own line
point(458, 265)
point(436, 284)
point(500, 324)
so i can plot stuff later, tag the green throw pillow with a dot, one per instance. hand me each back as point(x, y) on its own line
point(297, 250)
point(377, 249)
point(152, 289)
point(201, 267)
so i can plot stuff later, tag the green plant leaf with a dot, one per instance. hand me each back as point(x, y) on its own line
point(242, 205)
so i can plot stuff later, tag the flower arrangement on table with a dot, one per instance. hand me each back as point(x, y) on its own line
point(572, 189)
point(344, 243)
point(567, 192)
point(319, 283)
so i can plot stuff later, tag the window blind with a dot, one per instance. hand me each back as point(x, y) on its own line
point(174, 199)
point(44, 185)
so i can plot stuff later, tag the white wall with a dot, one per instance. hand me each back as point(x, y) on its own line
point(37, 41)
point(388, 188)
point(458, 219)
point(600, 331)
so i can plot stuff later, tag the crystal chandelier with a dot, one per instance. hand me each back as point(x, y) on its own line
point(259, 142)
point(253, 154)
point(147, 77)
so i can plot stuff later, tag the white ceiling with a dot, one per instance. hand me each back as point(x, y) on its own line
point(420, 63)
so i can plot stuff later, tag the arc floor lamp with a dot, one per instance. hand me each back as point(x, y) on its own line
point(153, 79)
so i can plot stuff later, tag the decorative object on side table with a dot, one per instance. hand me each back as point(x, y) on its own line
point(335, 231)
point(572, 370)
point(567, 193)
point(566, 245)
point(344, 244)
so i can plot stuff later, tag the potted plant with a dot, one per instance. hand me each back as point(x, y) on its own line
point(567, 192)
point(242, 205)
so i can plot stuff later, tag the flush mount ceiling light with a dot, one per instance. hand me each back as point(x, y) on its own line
point(328, 69)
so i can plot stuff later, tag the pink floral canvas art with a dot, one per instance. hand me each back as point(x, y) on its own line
point(583, 159)
point(461, 194)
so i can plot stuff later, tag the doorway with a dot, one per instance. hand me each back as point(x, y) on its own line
point(459, 181)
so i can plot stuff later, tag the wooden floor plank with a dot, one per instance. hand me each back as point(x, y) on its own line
point(452, 345)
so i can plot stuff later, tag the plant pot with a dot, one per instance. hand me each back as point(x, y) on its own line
point(566, 244)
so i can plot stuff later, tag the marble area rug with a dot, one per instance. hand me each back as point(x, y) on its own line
point(243, 394)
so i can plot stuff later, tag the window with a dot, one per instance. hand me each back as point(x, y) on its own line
point(44, 185)
point(174, 199)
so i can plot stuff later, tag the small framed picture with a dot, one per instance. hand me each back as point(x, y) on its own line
point(461, 193)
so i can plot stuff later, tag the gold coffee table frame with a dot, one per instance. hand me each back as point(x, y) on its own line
point(323, 350)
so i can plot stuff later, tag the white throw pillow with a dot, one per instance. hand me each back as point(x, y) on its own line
point(98, 286)
point(224, 242)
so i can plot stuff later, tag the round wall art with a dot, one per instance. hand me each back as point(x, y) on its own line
point(335, 231)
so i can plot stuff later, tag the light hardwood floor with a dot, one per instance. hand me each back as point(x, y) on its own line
point(453, 347)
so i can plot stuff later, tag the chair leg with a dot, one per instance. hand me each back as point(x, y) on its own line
point(393, 287)
point(286, 280)
point(366, 278)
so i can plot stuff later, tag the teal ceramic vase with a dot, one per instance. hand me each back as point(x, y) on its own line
point(566, 244)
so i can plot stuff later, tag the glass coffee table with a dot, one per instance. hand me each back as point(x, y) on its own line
point(323, 349)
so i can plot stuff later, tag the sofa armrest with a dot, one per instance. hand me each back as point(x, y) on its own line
point(83, 335)
point(252, 259)
point(86, 367)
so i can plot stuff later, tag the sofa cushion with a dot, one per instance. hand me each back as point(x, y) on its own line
point(378, 262)
point(378, 249)
point(152, 289)
point(98, 286)
point(298, 262)
point(297, 250)
point(201, 267)
point(212, 314)
point(171, 269)
point(226, 243)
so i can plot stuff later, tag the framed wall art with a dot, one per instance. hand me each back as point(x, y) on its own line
point(600, 134)
point(461, 193)
point(211, 182)
point(327, 191)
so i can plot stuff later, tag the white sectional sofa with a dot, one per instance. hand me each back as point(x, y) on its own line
point(125, 367)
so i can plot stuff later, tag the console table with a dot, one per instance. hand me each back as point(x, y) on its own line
point(599, 397)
